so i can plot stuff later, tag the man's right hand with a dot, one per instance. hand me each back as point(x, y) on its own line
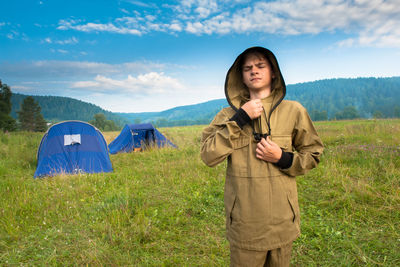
point(253, 108)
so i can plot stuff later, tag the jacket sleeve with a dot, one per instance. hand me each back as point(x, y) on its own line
point(307, 144)
point(219, 139)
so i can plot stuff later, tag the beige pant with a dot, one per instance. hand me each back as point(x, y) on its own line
point(279, 257)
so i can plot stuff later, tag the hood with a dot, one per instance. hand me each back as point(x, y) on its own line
point(237, 93)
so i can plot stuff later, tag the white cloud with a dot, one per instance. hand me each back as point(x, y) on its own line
point(13, 34)
point(205, 8)
point(86, 84)
point(89, 80)
point(144, 84)
point(175, 27)
point(21, 88)
point(123, 10)
point(136, 102)
point(194, 27)
point(150, 17)
point(371, 23)
point(72, 40)
point(97, 27)
point(48, 69)
point(375, 22)
point(140, 3)
point(346, 43)
point(61, 51)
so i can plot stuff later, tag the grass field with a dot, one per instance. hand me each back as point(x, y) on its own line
point(165, 207)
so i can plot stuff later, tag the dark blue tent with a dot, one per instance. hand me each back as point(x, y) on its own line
point(72, 147)
point(138, 136)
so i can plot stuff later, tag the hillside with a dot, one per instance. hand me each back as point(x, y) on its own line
point(324, 99)
point(56, 108)
point(368, 95)
point(184, 115)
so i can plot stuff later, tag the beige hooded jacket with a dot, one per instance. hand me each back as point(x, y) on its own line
point(261, 203)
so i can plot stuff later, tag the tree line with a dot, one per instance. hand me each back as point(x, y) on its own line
point(331, 99)
point(29, 115)
point(57, 108)
point(7, 123)
point(349, 98)
point(30, 118)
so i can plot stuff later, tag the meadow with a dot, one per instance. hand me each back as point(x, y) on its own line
point(165, 207)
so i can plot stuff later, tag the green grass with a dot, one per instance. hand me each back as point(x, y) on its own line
point(165, 207)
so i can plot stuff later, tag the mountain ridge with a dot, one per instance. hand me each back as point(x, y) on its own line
point(369, 96)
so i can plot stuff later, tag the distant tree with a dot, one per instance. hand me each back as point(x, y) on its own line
point(397, 111)
point(378, 114)
point(319, 115)
point(137, 120)
point(161, 123)
point(7, 123)
point(348, 113)
point(110, 126)
point(100, 121)
point(29, 116)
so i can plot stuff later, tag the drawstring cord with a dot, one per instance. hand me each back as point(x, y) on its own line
point(259, 136)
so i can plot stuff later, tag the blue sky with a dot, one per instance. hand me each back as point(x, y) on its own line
point(137, 56)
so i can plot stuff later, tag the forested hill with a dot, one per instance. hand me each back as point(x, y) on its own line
point(184, 115)
point(368, 96)
point(324, 99)
point(56, 108)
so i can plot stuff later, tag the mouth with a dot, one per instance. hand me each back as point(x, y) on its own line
point(255, 79)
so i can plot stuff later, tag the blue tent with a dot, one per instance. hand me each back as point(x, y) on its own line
point(138, 136)
point(72, 147)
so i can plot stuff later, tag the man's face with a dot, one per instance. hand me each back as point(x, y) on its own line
point(256, 73)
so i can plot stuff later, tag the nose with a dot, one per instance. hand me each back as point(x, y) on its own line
point(254, 70)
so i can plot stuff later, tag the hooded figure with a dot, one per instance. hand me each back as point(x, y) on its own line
point(267, 141)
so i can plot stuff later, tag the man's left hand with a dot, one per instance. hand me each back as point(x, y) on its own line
point(268, 150)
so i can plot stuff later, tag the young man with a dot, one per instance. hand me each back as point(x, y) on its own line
point(267, 142)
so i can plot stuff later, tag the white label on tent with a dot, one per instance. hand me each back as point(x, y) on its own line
point(71, 139)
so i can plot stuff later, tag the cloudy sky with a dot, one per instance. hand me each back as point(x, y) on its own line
point(137, 55)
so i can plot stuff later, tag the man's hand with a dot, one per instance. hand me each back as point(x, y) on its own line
point(268, 150)
point(253, 108)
